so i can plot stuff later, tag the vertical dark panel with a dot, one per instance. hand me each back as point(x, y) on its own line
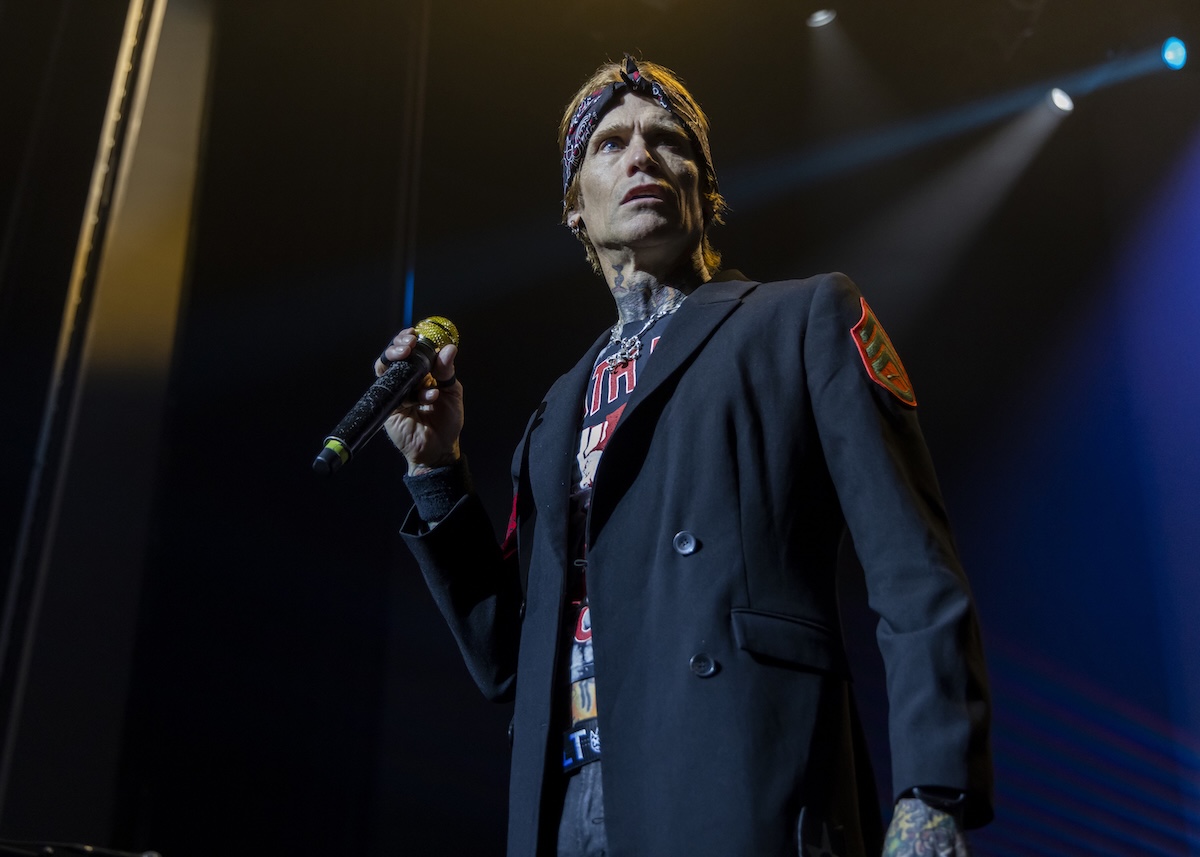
point(56, 62)
point(63, 67)
point(262, 679)
point(69, 644)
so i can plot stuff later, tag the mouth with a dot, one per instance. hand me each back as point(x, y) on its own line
point(645, 191)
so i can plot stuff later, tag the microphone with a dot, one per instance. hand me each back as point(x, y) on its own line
point(386, 394)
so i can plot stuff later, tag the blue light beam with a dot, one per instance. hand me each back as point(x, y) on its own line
point(777, 177)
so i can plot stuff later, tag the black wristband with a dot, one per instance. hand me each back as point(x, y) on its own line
point(437, 492)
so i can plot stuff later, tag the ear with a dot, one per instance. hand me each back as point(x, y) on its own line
point(574, 219)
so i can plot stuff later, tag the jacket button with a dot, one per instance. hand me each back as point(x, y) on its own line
point(510, 734)
point(521, 611)
point(684, 543)
point(703, 665)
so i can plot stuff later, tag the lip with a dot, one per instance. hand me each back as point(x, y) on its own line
point(645, 191)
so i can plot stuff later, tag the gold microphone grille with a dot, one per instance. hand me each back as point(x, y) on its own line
point(437, 330)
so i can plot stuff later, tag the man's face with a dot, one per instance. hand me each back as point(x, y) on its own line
point(639, 185)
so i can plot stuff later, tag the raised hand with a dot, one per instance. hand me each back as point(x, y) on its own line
point(425, 428)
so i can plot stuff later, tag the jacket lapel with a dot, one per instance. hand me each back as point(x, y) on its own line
point(554, 435)
point(700, 315)
point(553, 439)
point(690, 328)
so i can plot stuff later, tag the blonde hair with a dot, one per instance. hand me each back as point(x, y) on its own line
point(689, 112)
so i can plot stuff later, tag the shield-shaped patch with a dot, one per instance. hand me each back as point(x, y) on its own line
point(880, 358)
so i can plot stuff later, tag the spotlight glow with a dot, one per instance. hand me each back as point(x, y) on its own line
point(821, 17)
point(1174, 53)
point(1060, 101)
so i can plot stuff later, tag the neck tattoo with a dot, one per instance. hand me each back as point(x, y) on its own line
point(631, 346)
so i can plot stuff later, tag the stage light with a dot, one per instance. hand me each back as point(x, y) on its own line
point(1174, 53)
point(1060, 101)
point(821, 17)
point(768, 180)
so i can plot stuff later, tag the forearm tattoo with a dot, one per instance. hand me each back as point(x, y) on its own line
point(919, 830)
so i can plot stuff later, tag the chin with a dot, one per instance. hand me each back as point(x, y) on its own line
point(651, 225)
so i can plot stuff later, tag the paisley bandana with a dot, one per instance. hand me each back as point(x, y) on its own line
point(597, 103)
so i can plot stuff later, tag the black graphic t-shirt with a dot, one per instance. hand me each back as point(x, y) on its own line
point(604, 401)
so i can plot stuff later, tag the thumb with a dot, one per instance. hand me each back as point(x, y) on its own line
point(443, 368)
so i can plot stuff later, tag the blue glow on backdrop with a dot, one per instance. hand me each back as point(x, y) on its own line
point(1098, 696)
point(1160, 309)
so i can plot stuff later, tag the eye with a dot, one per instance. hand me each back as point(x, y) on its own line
point(609, 144)
point(673, 141)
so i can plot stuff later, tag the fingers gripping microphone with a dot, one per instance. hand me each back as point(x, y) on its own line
point(386, 394)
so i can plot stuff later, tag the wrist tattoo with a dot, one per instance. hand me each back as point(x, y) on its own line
point(919, 830)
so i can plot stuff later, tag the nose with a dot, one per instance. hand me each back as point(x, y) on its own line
point(640, 157)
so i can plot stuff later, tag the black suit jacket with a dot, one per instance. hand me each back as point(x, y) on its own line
point(755, 434)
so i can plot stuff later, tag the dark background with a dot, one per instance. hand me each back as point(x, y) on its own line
point(291, 688)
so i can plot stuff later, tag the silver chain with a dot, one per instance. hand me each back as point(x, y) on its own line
point(631, 346)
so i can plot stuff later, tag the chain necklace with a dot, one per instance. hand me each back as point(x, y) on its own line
point(631, 346)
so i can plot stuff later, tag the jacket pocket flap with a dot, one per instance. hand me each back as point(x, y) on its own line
point(783, 638)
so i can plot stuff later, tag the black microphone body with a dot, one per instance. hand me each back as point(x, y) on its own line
point(384, 396)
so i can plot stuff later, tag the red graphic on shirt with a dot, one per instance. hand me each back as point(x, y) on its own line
point(583, 627)
point(608, 386)
point(624, 375)
point(608, 390)
point(592, 441)
point(508, 547)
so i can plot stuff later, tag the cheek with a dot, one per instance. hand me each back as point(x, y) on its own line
point(687, 174)
point(688, 178)
point(591, 188)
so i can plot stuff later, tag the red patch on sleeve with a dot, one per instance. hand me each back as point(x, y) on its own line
point(879, 357)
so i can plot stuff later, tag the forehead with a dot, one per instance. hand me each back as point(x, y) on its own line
point(633, 109)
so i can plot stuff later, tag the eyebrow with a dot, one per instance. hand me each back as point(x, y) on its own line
point(665, 123)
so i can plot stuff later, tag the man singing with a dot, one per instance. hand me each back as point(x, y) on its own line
point(690, 480)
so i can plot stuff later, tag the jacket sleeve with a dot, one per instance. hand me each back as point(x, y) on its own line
point(476, 586)
point(928, 633)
